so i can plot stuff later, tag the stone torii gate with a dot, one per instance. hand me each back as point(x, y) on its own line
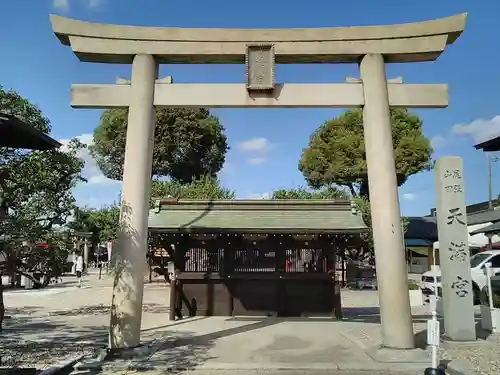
point(371, 47)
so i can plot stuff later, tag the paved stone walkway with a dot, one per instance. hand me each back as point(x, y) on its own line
point(64, 320)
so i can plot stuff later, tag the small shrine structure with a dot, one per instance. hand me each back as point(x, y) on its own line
point(260, 257)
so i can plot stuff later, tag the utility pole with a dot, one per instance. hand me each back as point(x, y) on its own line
point(490, 183)
point(491, 160)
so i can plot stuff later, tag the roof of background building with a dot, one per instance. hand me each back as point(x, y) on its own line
point(424, 228)
point(493, 229)
point(490, 145)
point(17, 134)
point(482, 217)
point(256, 216)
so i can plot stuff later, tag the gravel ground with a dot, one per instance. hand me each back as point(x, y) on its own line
point(14, 353)
point(483, 357)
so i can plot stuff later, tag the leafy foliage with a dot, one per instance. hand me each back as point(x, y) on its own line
point(14, 104)
point(35, 204)
point(204, 187)
point(35, 196)
point(188, 143)
point(336, 151)
point(413, 286)
point(46, 259)
point(101, 222)
point(304, 193)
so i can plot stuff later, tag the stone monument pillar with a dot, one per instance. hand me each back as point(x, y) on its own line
point(454, 255)
point(130, 255)
point(392, 278)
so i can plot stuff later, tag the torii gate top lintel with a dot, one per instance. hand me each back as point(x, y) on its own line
point(411, 42)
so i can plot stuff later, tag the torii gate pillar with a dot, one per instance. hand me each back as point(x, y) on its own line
point(384, 205)
point(126, 316)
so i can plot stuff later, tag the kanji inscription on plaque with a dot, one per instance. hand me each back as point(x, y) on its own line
point(259, 60)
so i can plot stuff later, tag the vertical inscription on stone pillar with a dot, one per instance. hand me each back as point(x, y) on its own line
point(454, 250)
point(259, 61)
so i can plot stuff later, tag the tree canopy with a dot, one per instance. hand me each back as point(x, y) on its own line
point(101, 222)
point(35, 199)
point(304, 193)
point(188, 143)
point(204, 187)
point(336, 151)
point(35, 186)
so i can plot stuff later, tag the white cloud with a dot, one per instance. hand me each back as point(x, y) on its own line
point(258, 148)
point(256, 161)
point(480, 130)
point(437, 141)
point(65, 5)
point(91, 171)
point(100, 179)
point(259, 196)
point(409, 196)
point(62, 5)
point(94, 3)
point(260, 145)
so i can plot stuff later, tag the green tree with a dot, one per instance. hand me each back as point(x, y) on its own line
point(304, 193)
point(336, 151)
point(355, 247)
point(35, 197)
point(188, 143)
point(204, 187)
point(101, 222)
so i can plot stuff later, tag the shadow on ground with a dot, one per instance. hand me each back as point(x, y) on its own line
point(180, 351)
point(372, 315)
point(154, 308)
point(53, 285)
point(25, 310)
point(53, 342)
point(61, 342)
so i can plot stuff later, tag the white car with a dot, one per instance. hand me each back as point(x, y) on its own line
point(478, 277)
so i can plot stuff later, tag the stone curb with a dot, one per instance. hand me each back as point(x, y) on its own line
point(258, 368)
point(456, 367)
point(270, 371)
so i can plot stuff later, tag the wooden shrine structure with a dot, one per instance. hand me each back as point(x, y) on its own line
point(260, 257)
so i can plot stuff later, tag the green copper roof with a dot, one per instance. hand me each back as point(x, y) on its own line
point(247, 216)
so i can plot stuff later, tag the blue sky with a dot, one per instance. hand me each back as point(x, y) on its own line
point(265, 143)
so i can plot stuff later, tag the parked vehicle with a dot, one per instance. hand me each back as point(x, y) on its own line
point(478, 277)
